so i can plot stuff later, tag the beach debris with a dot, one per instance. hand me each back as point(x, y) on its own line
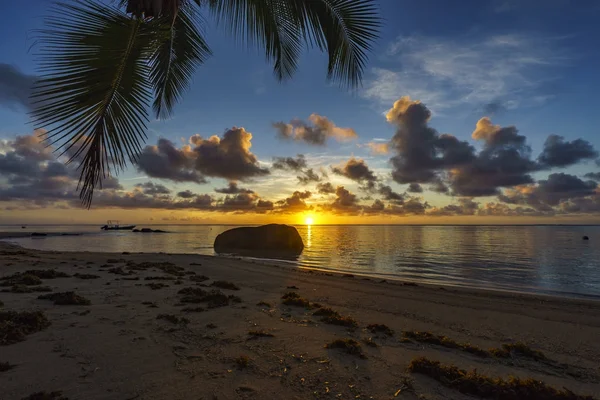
point(293, 287)
point(473, 383)
point(263, 303)
point(47, 273)
point(86, 276)
point(156, 286)
point(27, 289)
point(66, 298)
point(351, 346)
point(198, 278)
point(119, 271)
point(57, 395)
point(214, 298)
point(260, 333)
point(20, 279)
point(440, 340)
point(369, 342)
point(193, 309)
point(585, 238)
point(150, 304)
point(159, 278)
point(242, 361)
point(380, 328)
point(334, 318)
point(1, 304)
point(225, 285)
point(5, 366)
point(294, 299)
point(519, 349)
point(211, 326)
point(173, 319)
point(15, 326)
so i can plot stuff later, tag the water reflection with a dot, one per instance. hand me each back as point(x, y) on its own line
point(528, 258)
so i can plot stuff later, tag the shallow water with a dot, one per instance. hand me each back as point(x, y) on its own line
point(538, 259)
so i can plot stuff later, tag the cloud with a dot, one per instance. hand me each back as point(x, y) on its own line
point(510, 70)
point(595, 176)
point(186, 194)
point(378, 148)
point(551, 192)
point(233, 188)
point(325, 188)
point(165, 161)
point(308, 176)
point(415, 188)
point(358, 171)
point(345, 202)
point(388, 194)
point(137, 199)
point(290, 163)
point(151, 188)
point(228, 158)
point(465, 206)
point(294, 203)
point(559, 153)
point(316, 134)
point(421, 150)
point(15, 87)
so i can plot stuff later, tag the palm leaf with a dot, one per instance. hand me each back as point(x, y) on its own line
point(93, 93)
point(270, 24)
point(178, 49)
point(343, 28)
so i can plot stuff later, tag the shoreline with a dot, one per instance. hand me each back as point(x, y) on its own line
point(116, 348)
point(6, 236)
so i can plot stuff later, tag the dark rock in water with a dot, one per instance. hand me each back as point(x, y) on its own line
point(136, 230)
point(146, 230)
point(39, 234)
point(266, 238)
point(159, 231)
point(585, 238)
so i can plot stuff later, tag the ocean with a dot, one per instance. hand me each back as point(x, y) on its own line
point(529, 259)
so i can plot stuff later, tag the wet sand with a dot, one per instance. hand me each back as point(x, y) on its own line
point(116, 348)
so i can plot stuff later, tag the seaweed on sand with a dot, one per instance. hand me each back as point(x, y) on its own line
point(66, 298)
point(351, 346)
point(14, 326)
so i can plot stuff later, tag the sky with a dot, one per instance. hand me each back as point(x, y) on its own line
point(474, 112)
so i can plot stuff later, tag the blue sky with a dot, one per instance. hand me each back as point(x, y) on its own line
point(527, 63)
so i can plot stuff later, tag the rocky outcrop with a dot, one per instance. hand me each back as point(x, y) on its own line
point(266, 238)
point(148, 230)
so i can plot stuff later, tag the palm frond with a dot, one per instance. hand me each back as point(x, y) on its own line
point(270, 24)
point(93, 93)
point(178, 48)
point(345, 29)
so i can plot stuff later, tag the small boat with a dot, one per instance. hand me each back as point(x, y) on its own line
point(114, 226)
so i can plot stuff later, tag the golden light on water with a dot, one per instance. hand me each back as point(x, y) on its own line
point(309, 220)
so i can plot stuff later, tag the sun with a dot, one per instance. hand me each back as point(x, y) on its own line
point(309, 220)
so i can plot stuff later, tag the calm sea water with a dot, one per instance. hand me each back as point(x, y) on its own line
point(539, 259)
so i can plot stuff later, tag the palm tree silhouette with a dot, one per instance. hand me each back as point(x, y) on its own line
point(101, 65)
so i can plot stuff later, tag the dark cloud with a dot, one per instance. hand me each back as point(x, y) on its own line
point(165, 161)
point(315, 134)
point(358, 171)
point(550, 193)
point(505, 161)
point(388, 194)
point(228, 158)
point(186, 194)
point(295, 203)
point(325, 188)
point(308, 176)
point(421, 150)
point(415, 188)
point(290, 163)
point(15, 87)
point(439, 186)
point(595, 176)
point(345, 202)
point(233, 188)
point(138, 199)
point(559, 153)
point(465, 206)
point(152, 188)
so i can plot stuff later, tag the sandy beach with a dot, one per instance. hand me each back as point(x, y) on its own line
point(246, 342)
